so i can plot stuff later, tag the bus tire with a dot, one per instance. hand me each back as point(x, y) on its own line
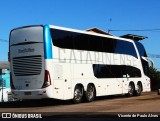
point(90, 93)
point(131, 89)
point(139, 89)
point(78, 94)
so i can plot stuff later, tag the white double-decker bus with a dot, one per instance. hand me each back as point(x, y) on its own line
point(55, 62)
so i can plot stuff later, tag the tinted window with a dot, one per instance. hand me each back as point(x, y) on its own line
point(81, 42)
point(63, 39)
point(95, 44)
point(115, 71)
point(78, 41)
point(109, 45)
point(103, 71)
point(124, 47)
point(141, 49)
point(145, 67)
point(133, 72)
point(142, 52)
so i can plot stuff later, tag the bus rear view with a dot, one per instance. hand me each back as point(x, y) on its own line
point(62, 63)
point(29, 78)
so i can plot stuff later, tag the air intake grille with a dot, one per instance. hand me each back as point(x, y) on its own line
point(28, 65)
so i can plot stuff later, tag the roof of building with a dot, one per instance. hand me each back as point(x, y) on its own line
point(134, 37)
point(4, 65)
point(96, 30)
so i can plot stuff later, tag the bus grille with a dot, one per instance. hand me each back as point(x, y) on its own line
point(28, 65)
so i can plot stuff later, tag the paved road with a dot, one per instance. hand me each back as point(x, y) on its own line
point(109, 105)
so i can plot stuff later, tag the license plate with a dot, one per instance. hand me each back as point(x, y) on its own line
point(27, 93)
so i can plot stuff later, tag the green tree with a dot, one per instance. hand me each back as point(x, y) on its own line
point(155, 78)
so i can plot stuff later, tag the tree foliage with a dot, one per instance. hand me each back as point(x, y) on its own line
point(155, 78)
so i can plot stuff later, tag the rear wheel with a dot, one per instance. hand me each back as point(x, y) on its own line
point(78, 94)
point(139, 89)
point(90, 93)
point(130, 90)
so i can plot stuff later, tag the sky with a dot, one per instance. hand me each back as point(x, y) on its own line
point(84, 14)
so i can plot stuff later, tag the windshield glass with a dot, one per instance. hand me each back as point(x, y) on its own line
point(141, 49)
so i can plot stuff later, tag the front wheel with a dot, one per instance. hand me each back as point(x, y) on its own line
point(130, 90)
point(90, 93)
point(139, 89)
point(78, 94)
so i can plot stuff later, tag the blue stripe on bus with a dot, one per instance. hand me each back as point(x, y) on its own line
point(47, 43)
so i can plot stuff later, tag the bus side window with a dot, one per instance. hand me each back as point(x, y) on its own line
point(145, 67)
